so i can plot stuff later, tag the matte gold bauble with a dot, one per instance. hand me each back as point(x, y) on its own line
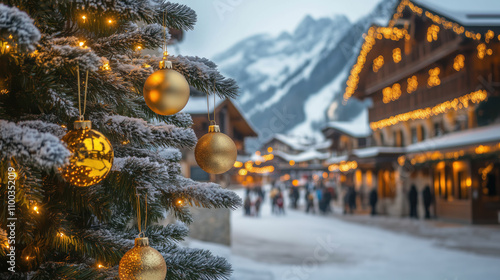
point(215, 152)
point(92, 155)
point(166, 92)
point(142, 262)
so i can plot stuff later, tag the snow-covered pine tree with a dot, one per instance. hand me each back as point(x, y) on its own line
point(66, 232)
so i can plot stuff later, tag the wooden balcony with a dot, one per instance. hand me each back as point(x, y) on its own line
point(423, 55)
point(453, 86)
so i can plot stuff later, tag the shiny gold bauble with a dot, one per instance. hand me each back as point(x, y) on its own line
point(142, 262)
point(166, 92)
point(215, 152)
point(92, 155)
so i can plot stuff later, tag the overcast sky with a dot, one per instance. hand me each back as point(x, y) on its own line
point(221, 23)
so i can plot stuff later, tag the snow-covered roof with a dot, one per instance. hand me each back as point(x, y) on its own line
point(375, 151)
point(198, 104)
point(300, 143)
point(308, 155)
point(480, 135)
point(359, 127)
point(336, 159)
point(466, 12)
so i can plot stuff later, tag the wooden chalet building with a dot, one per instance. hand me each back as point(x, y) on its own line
point(294, 157)
point(434, 79)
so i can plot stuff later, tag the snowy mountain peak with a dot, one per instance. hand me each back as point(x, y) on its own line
point(288, 81)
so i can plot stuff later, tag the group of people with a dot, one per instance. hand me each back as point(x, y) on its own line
point(323, 194)
point(318, 196)
point(412, 199)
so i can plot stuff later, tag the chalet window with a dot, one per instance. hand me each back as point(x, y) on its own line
point(361, 142)
point(414, 135)
point(438, 129)
point(490, 179)
point(382, 140)
point(386, 184)
point(399, 138)
point(423, 133)
point(463, 185)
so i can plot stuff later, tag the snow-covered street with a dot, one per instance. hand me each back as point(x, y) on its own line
point(300, 246)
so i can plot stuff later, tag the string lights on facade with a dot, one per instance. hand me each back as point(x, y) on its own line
point(420, 114)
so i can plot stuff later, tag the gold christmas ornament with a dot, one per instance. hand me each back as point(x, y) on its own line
point(92, 155)
point(166, 91)
point(142, 262)
point(215, 152)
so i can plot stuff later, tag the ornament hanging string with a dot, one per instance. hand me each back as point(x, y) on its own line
point(139, 222)
point(165, 53)
point(79, 92)
point(208, 108)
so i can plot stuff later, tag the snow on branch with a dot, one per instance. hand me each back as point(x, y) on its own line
point(140, 132)
point(44, 127)
point(43, 149)
point(20, 26)
point(189, 263)
point(60, 52)
point(207, 195)
point(178, 16)
point(149, 37)
point(161, 155)
point(202, 74)
point(150, 11)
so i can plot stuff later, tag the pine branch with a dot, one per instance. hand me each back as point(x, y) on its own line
point(187, 263)
point(140, 133)
point(28, 144)
point(17, 28)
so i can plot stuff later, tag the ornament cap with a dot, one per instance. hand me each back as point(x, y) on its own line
point(82, 125)
point(141, 242)
point(213, 128)
point(165, 64)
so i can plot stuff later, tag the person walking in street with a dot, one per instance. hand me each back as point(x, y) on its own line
point(247, 206)
point(352, 199)
point(310, 202)
point(413, 198)
point(373, 200)
point(327, 198)
point(257, 204)
point(273, 197)
point(427, 196)
point(280, 202)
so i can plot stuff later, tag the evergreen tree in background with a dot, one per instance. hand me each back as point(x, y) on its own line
point(67, 232)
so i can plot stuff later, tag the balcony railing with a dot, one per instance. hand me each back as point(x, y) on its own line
point(421, 55)
point(451, 87)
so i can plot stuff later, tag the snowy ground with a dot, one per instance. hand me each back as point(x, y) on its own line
point(298, 246)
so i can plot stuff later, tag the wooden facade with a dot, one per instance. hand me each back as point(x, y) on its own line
point(433, 77)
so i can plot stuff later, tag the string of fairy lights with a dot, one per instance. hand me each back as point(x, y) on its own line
point(425, 113)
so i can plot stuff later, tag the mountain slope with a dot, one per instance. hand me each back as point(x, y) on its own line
point(289, 81)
